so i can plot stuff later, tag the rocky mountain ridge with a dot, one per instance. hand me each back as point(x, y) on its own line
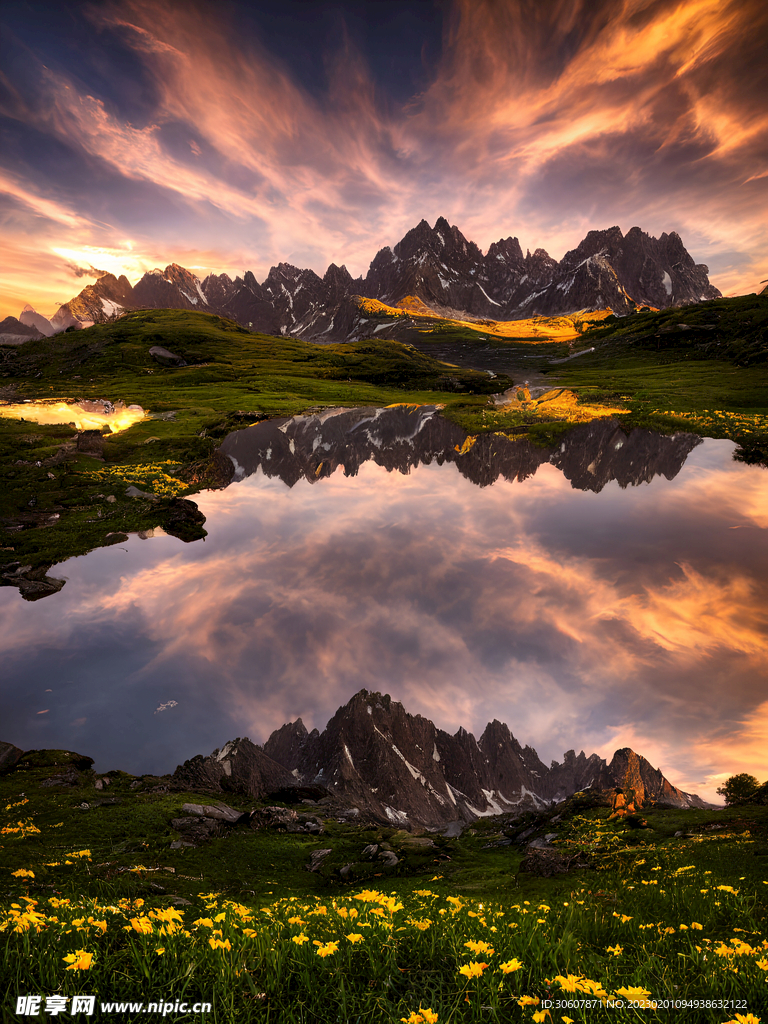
point(437, 267)
point(401, 769)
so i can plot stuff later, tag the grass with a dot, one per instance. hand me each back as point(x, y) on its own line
point(95, 902)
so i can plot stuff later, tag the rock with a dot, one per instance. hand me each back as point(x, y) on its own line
point(166, 358)
point(414, 844)
point(220, 812)
point(388, 858)
point(316, 859)
point(67, 778)
point(347, 870)
point(547, 863)
point(351, 812)
point(134, 492)
point(90, 442)
point(9, 756)
point(239, 767)
point(180, 844)
point(370, 851)
point(280, 818)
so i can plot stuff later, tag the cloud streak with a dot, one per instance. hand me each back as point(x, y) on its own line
point(541, 120)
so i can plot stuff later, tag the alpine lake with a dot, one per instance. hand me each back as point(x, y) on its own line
point(571, 541)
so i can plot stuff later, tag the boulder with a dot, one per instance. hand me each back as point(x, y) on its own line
point(316, 859)
point(9, 756)
point(220, 812)
point(165, 357)
point(388, 858)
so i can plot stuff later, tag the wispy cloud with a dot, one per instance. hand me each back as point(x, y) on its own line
point(541, 120)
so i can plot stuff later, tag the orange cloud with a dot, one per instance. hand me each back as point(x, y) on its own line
point(540, 120)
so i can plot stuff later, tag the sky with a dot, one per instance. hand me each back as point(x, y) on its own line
point(229, 136)
point(630, 617)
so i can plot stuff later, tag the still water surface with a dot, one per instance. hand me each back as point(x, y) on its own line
point(610, 591)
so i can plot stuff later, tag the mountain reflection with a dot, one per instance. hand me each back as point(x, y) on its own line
point(405, 436)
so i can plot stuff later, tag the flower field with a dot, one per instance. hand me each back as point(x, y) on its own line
point(658, 930)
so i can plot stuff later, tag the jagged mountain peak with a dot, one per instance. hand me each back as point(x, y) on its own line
point(402, 769)
point(437, 266)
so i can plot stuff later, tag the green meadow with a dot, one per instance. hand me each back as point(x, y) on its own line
point(665, 920)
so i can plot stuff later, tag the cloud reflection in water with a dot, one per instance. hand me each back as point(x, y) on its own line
point(631, 616)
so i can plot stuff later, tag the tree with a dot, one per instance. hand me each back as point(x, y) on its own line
point(739, 788)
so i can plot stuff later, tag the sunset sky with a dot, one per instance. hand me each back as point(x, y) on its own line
point(227, 135)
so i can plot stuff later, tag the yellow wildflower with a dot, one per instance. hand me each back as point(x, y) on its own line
point(160, 950)
point(569, 983)
point(480, 947)
point(633, 993)
point(616, 950)
point(328, 949)
point(300, 939)
point(511, 965)
point(23, 873)
point(79, 961)
point(528, 1001)
point(142, 925)
point(354, 937)
point(472, 970)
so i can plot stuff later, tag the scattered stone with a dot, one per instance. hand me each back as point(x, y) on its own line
point(134, 492)
point(316, 859)
point(165, 357)
point(370, 851)
point(180, 844)
point(388, 858)
point(135, 784)
point(111, 498)
point(346, 871)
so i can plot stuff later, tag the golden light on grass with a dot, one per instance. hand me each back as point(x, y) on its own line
point(535, 330)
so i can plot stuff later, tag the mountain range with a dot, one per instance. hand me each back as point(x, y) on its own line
point(399, 768)
point(430, 269)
